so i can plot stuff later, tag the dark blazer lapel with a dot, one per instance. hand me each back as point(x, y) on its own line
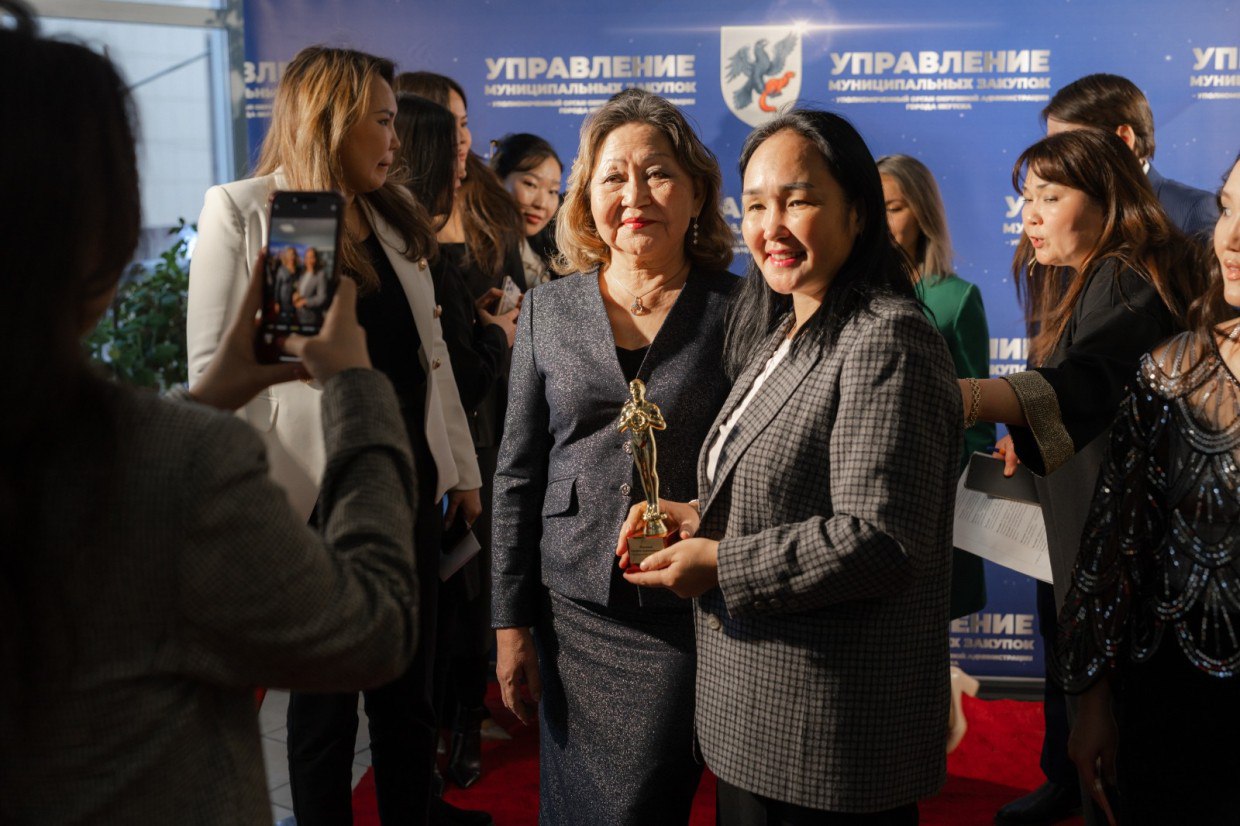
point(1156, 180)
point(679, 326)
point(596, 339)
point(770, 399)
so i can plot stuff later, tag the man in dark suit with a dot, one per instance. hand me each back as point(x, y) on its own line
point(1113, 104)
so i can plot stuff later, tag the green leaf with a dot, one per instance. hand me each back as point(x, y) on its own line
point(141, 340)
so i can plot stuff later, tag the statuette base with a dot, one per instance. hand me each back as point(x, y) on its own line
point(642, 546)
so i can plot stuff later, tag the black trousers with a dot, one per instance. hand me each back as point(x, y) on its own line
point(736, 807)
point(322, 728)
point(1054, 763)
point(1177, 760)
point(463, 655)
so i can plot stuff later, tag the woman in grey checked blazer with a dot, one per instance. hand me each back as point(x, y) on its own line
point(821, 554)
point(151, 574)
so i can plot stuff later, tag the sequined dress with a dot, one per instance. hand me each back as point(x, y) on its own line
point(1160, 560)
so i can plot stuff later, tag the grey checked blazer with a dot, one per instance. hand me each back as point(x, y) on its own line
point(565, 481)
point(822, 657)
point(200, 583)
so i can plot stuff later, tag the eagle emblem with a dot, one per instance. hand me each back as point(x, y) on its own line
point(760, 71)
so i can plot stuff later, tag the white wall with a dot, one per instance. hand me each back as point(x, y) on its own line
point(175, 150)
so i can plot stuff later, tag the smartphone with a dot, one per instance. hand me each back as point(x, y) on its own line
point(985, 475)
point(512, 295)
point(300, 276)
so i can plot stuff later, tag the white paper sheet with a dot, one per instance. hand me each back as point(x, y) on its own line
point(454, 560)
point(1008, 533)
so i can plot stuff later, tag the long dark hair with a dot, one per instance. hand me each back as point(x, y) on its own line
point(1211, 309)
point(1106, 102)
point(1136, 233)
point(521, 152)
point(490, 219)
point(427, 133)
point(875, 266)
point(69, 225)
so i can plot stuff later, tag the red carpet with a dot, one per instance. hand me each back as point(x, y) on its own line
point(997, 762)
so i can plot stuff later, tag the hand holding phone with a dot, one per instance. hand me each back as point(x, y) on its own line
point(510, 297)
point(301, 275)
point(234, 375)
point(340, 345)
point(506, 322)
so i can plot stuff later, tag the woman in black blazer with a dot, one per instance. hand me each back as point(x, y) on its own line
point(614, 665)
point(1104, 276)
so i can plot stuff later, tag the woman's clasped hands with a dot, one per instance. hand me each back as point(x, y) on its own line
point(688, 568)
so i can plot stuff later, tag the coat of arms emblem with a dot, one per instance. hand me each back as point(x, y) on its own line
point(760, 70)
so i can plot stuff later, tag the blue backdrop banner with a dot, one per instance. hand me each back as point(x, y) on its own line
point(958, 85)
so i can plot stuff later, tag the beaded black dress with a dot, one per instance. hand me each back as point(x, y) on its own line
point(1154, 603)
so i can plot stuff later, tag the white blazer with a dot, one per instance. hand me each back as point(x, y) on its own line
point(232, 230)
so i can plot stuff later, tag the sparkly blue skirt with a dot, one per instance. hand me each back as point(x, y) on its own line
point(616, 719)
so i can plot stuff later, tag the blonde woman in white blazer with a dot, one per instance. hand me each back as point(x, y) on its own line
point(332, 129)
point(232, 230)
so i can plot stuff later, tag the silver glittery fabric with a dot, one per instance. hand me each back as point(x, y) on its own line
point(564, 483)
point(617, 669)
point(616, 719)
point(1160, 561)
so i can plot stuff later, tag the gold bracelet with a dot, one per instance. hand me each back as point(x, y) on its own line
point(975, 389)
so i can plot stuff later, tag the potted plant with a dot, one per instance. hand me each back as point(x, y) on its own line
point(141, 339)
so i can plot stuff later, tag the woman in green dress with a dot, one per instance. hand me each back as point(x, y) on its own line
point(918, 222)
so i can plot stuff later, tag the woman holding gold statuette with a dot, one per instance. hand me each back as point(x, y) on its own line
point(611, 666)
point(822, 553)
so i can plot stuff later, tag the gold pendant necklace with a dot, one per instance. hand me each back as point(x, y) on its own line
point(637, 308)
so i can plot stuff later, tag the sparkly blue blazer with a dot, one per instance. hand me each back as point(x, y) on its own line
point(565, 481)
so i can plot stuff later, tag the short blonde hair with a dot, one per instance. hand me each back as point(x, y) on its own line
point(322, 94)
point(581, 248)
point(921, 193)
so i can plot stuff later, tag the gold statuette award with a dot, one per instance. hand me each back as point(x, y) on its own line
point(642, 418)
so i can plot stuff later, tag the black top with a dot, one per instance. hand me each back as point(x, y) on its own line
point(479, 352)
point(487, 418)
point(478, 281)
point(392, 338)
point(564, 483)
point(1117, 317)
point(631, 361)
point(1159, 566)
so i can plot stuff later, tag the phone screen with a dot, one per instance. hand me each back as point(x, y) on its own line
point(512, 295)
point(300, 275)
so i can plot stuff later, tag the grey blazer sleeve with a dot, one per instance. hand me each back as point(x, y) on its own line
point(521, 483)
point(265, 600)
point(892, 430)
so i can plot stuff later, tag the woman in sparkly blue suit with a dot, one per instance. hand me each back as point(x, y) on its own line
point(613, 666)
